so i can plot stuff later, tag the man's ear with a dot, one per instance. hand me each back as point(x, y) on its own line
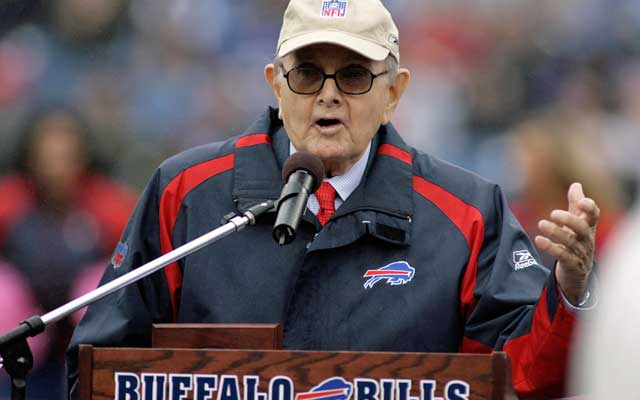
point(396, 89)
point(270, 75)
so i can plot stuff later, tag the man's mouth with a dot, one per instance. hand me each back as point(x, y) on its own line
point(328, 122)
point(329, 125)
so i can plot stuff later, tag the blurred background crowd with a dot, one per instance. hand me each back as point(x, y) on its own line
point(95, 93)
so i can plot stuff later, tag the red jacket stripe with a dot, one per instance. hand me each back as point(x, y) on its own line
point(469, 221)
point(396, 152)
point(170, 204)
point(473, 346)
point(542, 353)
point(252, 140)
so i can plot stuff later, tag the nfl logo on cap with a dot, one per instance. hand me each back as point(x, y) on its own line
point(334, 8)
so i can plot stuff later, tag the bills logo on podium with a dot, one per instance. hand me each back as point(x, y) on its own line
point(162, 386)
point(396, 273)
point(332, 389)
point(334, 8)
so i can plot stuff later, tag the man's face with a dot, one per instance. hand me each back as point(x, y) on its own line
point(331, 124)
point(57, 156)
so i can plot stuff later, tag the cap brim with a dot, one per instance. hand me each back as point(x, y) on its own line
point(370, 50)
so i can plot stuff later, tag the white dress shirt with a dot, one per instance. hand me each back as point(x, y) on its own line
point(344, 184)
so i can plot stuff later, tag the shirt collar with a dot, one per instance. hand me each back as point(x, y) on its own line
point(346, 183)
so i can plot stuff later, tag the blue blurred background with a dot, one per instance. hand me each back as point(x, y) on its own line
point(532, 94)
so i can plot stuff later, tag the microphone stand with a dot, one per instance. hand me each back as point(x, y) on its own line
point(14, 349)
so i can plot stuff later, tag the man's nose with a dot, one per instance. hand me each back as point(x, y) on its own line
point(330, 94)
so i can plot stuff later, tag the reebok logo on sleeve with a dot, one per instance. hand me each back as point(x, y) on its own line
point(523, 259)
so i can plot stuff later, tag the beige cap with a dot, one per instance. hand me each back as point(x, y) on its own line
point(363, 26)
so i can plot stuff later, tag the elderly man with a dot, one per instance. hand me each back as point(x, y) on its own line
point(470, 282)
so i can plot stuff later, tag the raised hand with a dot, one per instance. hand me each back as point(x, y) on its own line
point(569, 236)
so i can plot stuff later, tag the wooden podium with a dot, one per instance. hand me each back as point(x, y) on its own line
point(241, 362)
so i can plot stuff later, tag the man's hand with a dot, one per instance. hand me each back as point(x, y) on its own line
point(570, 236)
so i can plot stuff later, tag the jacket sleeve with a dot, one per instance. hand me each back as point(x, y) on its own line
point(124, 318)
point(513, 304)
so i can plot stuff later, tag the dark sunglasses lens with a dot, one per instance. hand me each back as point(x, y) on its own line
point(305, 80)
point(354, 80)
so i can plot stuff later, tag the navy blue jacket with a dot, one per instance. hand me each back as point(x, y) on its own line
point(475, 284)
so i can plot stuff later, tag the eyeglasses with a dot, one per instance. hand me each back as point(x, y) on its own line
point(352, 80)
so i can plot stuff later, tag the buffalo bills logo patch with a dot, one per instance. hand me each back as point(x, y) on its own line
point(331, 389)
point(119, 255)
point(334, 8)
point(396, 273)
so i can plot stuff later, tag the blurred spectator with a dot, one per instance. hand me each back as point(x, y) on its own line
point(14, 12)
point(59, 213)
point(63, 55)
point(620, 136)
point(607, 356)
point(550, 153)
point(17, 303)
point(87, 280)
point(76, 38)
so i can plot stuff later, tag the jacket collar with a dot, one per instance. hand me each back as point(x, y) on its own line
point(387, 185)
point(257, 167)
point(386, 188)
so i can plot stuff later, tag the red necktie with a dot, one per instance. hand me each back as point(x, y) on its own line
point(326, 196)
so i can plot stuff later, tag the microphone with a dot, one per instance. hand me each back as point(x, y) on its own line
point(302, 173)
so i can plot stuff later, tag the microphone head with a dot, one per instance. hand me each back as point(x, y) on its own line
point(305, 161)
